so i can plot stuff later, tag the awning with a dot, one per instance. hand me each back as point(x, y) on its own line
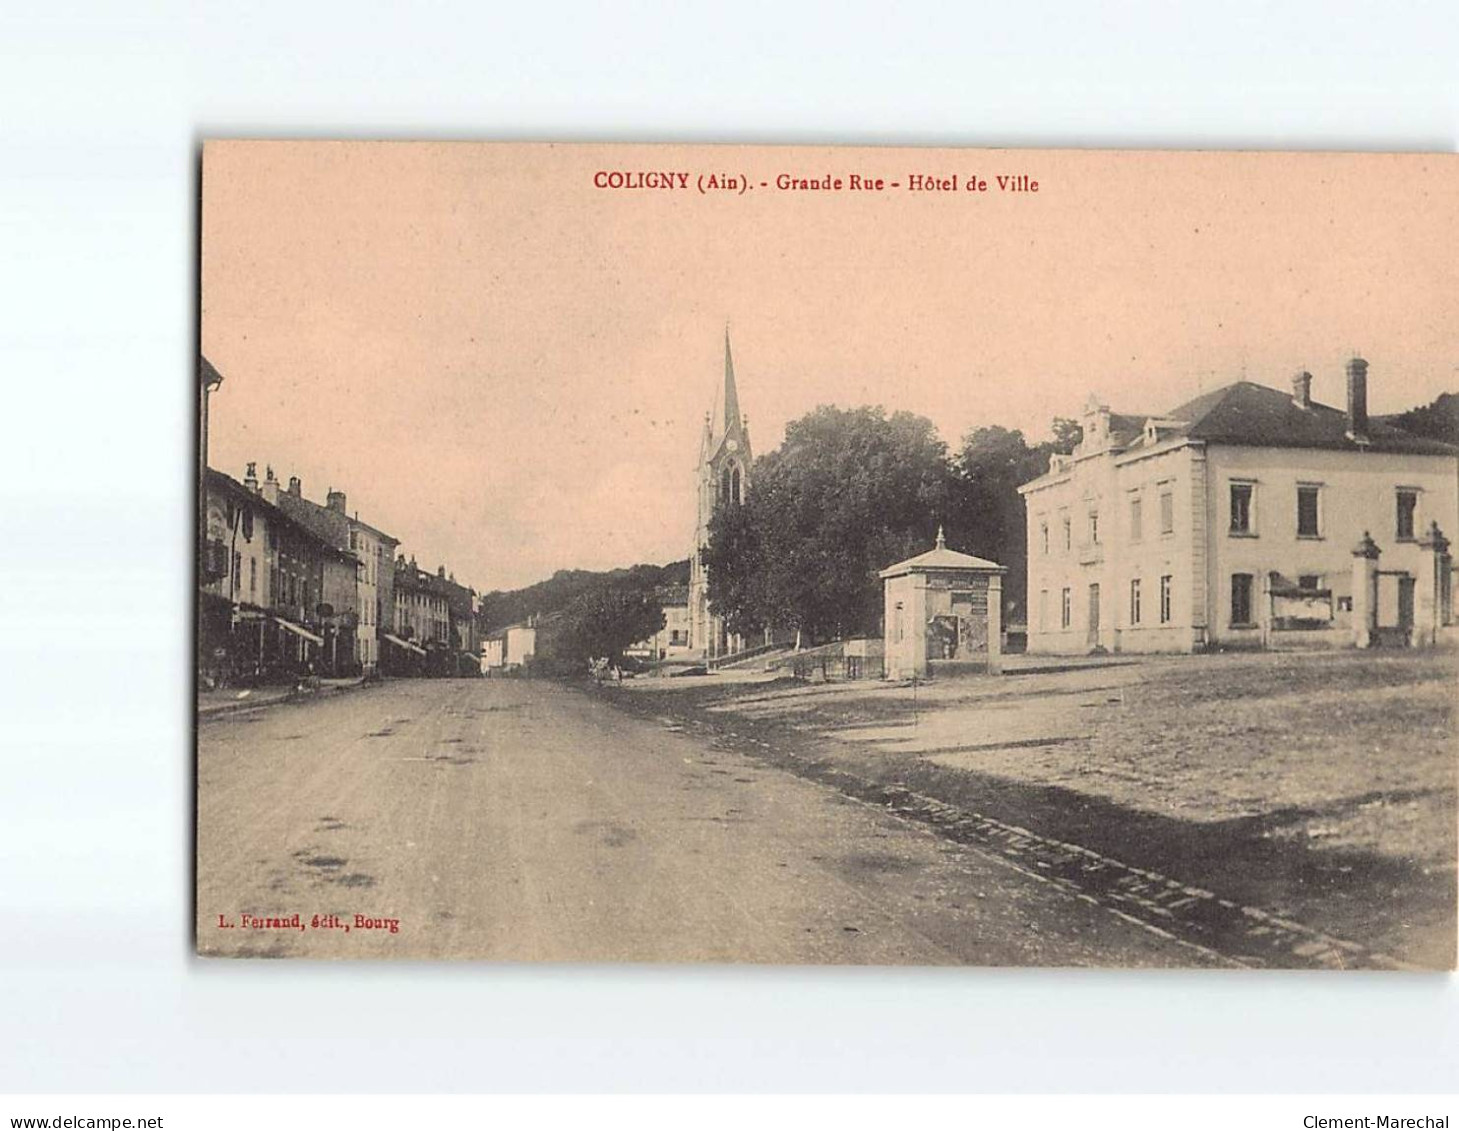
point(297, 631)
point(404, 643)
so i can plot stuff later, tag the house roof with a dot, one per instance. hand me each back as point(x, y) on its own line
point(226, 482)
point(1252, 415)
point(673, 595)
point(940, 557)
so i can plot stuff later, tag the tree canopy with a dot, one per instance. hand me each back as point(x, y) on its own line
point(1438, 420)
point(604, 620)
point(849, 491)
point(503, 607)
point(986, 513)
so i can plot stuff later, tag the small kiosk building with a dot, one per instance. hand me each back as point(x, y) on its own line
point(943, 610)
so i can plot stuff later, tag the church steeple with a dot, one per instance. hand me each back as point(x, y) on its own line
point(731, 395)
point(723, 479)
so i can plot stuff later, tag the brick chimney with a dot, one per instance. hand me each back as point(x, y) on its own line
point(250, 478)
point(335, 500)
point(296, 488)
point(1302, 389)
point(1358, 399)
point(270, 489)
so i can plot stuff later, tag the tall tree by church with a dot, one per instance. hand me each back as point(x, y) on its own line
point(985, 510)
point(850, 491)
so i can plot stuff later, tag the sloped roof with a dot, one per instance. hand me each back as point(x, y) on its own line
point(1125, 426)
point(1253, 415)
point(275, 513)
point(330, 525)
point(940, 557)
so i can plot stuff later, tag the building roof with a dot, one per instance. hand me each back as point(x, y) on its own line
point(1252, 415)
point(208, 376)
point(328, 524)
point(940, 557)
point(225, 482)
point(325, 520)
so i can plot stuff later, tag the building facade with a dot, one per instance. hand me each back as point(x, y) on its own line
point(265, 589)
point(722, 479)
point(1234, 521)
point(362, 612)
point(674, 639)
point(422, 609)
point(510, 648)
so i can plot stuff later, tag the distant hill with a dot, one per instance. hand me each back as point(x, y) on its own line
point(503, 607)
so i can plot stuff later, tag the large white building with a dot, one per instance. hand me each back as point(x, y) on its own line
point(1248, 517)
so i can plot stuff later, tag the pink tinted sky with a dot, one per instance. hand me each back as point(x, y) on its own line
point(508, 368)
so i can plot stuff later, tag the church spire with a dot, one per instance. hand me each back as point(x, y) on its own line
point(731, 396)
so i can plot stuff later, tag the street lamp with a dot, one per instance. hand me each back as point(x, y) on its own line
point(208, 381)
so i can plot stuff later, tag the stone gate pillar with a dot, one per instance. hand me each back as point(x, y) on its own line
point(995, 624)
point(1365, 592)
point(1431, 588)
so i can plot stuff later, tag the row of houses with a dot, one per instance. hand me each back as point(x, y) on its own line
point(290, 587)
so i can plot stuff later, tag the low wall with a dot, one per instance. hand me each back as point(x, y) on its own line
point(1309, 639)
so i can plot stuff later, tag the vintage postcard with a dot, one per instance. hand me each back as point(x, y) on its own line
point(636, 553)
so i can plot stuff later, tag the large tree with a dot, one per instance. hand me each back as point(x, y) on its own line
point(986, 513)
point(603, 621)
point(1438, 420)
point(848, 493)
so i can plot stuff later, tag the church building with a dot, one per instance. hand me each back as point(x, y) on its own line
point(722, 480)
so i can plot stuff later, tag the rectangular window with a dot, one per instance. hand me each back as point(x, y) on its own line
point(1407, 506)
point(1165, 587)
point(1068, 533)
point(1135, 601)
point(253, 579)
point(1044, 536)
point(1241, 598)
point(1043, 609)
point(1137, 519)
point(1307, 513)
point(1167, 511)
point(1066, 611)
point(1094, 528)
point(1241, 508)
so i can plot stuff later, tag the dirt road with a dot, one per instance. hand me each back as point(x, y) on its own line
point(526, 821)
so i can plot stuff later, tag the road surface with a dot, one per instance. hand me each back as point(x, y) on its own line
point(527, 821)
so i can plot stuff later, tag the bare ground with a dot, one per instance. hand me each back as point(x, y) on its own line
point(1318, 787)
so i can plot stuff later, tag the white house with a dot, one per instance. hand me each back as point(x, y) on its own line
point(510, 647)
point(1248, 517)
point(674, 640)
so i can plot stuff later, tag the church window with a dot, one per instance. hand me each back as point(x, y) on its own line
point(735, 496)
